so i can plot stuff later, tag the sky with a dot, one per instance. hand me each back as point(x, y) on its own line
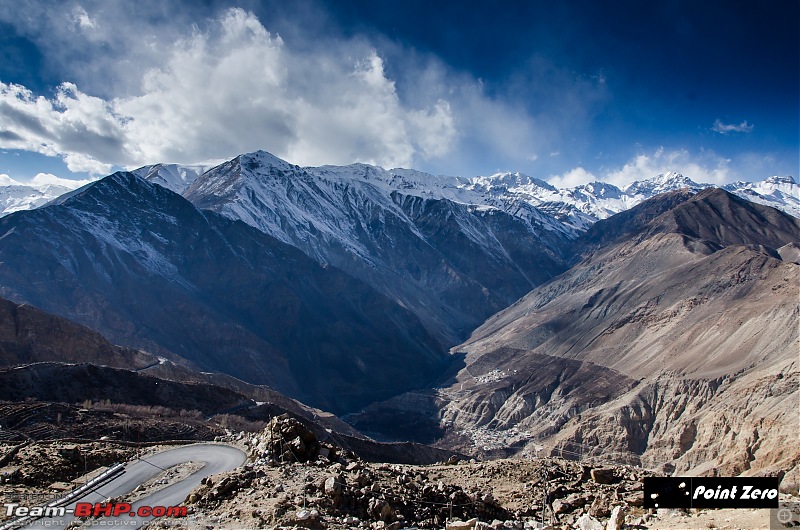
point(569, 92)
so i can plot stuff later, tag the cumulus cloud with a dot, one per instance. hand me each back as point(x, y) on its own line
point(5, 180)
point(704, 167)
point(174, 81)
point(572, 178)
point(83, 130)
point(725, 128)
point(231, 88)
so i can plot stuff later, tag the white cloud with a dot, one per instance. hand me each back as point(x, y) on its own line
point(189, 82)
point(572, 178)
point(82, 19)
point(434, 129)
point(353, 114)
point(80, 163)
point(703, 167)
point(725, 128)
point(83, 130)
point(232, 88)
point(496, 126)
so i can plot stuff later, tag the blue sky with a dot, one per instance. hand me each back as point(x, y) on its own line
point(565, 91)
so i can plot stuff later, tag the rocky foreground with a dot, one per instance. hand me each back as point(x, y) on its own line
point(294, 480)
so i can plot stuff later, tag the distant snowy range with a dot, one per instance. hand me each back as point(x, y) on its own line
point(16, 196)
point(574, 208)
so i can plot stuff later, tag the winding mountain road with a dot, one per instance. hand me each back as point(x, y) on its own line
point(216, 458)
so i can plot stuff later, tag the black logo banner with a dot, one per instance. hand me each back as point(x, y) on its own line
point(711, 492)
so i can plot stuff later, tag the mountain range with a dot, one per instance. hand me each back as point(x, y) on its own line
point(146, 268)
point(16, 196)
point(453, 250)
point(673, 341)
point(453, 264)
point(624, 320)
point(577, 206)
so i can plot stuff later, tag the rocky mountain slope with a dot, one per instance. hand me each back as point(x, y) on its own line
point(149, 270)
point(451, 263)
point(29, 335)
point(60, 380)
point(453, 250)
point(76, 383)
point(674, 342)
point(35, 341)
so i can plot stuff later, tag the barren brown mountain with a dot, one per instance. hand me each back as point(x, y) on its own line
point(673, 343)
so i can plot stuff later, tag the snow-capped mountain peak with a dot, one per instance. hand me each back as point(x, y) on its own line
point(663, 183)
point(599, 189)
point(782, 193)
point(776, 179)
point(512, 181)
point(785, 185)
point(263, 159)
point(567, 210)
point(174, 177)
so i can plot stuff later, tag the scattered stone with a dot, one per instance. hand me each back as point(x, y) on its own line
point(380, 509)
point(286, 439)
point(617, 520)
point(461, 525)
point(355, 494)
point(562, 506)
point(332, 487)
point(601, 507)
point(636, 499)
point(587, 522)
point(603, 475)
